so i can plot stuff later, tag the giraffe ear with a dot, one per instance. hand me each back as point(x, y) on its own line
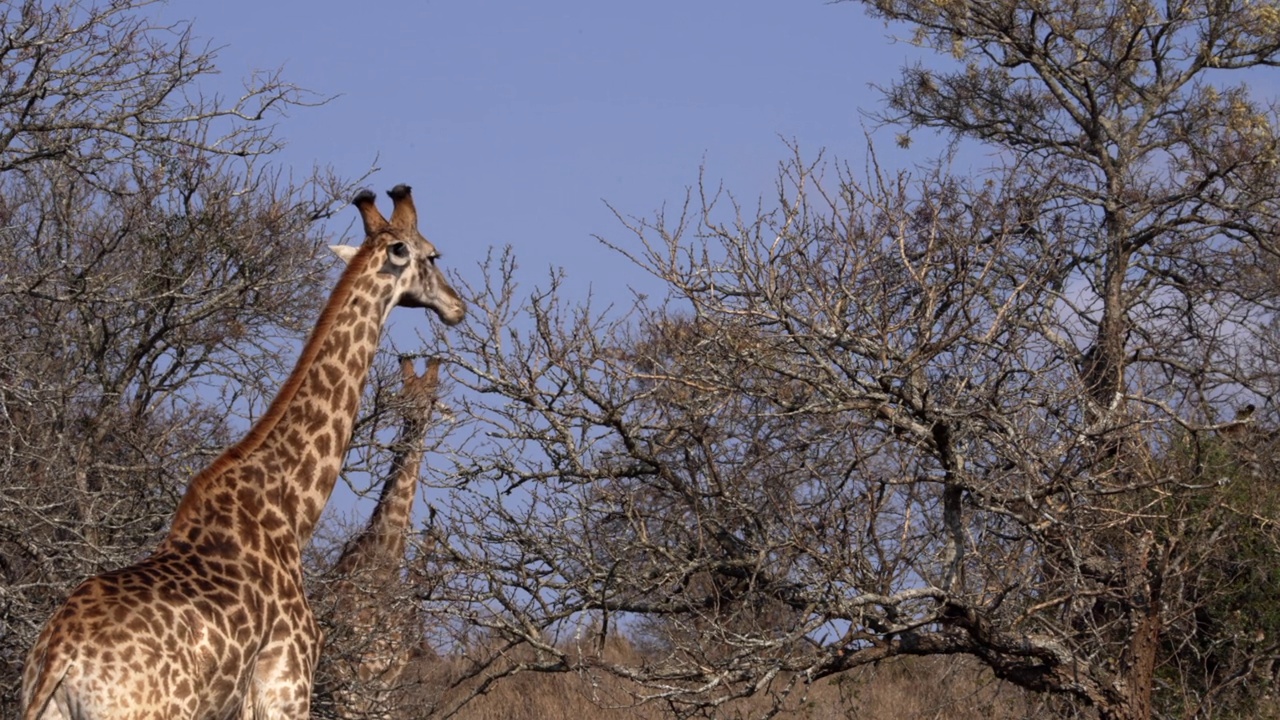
point(346, 252)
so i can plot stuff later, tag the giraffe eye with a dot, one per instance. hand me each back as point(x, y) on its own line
point(398, 253)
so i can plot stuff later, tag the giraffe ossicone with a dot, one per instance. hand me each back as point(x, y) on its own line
point(214, 624)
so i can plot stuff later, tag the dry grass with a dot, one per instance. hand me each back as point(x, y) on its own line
point(954, 688)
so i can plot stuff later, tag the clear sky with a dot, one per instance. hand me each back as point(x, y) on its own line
point(516, 121)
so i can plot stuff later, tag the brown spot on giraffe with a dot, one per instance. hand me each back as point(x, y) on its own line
point(214, 624)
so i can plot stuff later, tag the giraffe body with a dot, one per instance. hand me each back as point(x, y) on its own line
point(215, 624)
point(380, 622)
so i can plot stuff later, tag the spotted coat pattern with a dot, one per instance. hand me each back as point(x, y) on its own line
point(214, 624)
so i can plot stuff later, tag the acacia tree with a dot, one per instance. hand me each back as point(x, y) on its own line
point(888, 415)
point(152, 267)
point(1159, 167)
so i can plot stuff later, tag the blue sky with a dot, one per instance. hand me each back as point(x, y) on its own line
point(516, 122)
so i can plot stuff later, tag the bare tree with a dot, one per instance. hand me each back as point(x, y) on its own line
point(1159, 180)
point(151, 268)
point(100, 85)
point(892, 414)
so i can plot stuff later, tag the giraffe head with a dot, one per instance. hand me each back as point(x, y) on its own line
point(402, 252)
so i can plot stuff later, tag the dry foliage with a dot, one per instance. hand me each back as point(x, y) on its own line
point(887, 414)
point(904, 689)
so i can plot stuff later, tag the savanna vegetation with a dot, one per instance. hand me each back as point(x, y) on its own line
point(901, 443)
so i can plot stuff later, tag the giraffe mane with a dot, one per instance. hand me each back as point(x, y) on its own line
point(275, 411)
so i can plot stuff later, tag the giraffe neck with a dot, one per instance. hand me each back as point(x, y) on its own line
point(277, 479)
point(380, 545)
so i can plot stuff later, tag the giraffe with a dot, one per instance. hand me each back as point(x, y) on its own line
point(214, 624)
point(378, 640)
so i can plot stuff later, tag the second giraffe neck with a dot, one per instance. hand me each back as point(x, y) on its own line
point(381, 544)
point(277, 479)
